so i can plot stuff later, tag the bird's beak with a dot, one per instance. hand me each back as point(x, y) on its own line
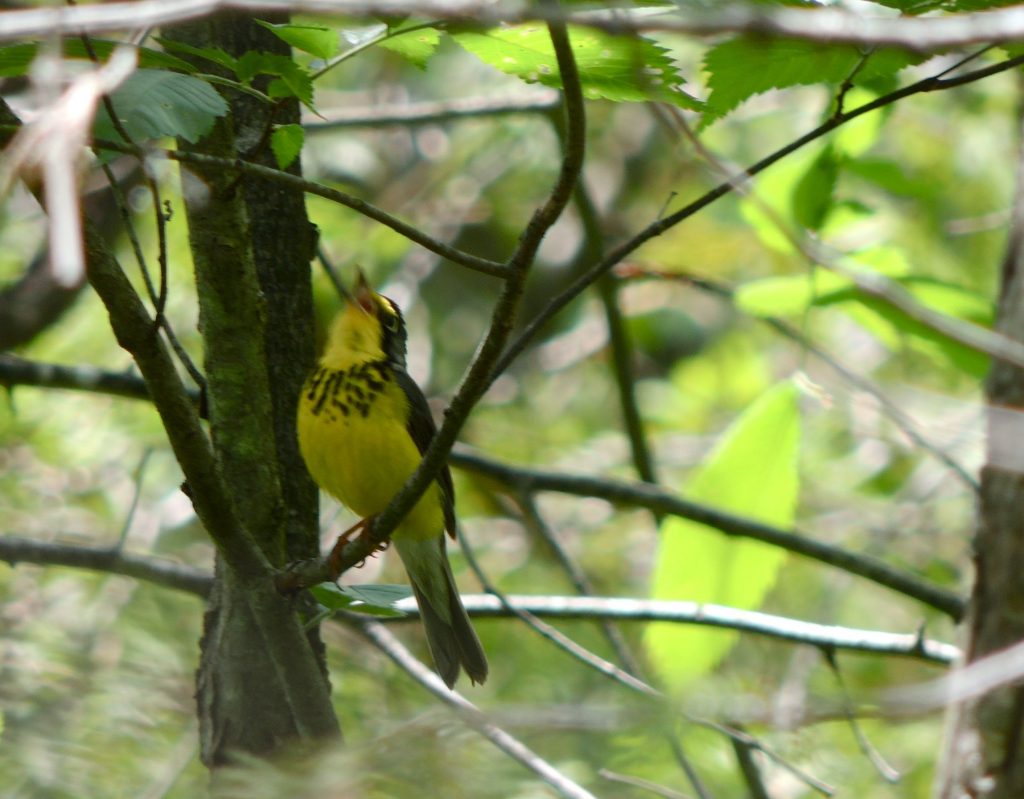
point(363, 294)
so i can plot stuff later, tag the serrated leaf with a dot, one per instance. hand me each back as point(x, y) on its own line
point(375, 600)
point(752, 472)
point(619, 68)
point(742, 67)
point(313, 39)
point(15, 59)
point(415, 46)
point(286, 142)
point(291, 80)
point(152, 104)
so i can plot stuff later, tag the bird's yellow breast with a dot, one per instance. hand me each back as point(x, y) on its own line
point(353, 437)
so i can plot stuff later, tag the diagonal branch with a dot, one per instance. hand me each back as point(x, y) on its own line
point(660, 501)
point(567, 295)
point(377, 635)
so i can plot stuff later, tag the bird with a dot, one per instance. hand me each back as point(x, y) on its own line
point(363, 426)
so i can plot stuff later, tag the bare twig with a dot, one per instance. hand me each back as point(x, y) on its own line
point(422, 674)
point(429, 113)
point(334, 195)
point(885, 771)
point(567, 295)
point(637, 782)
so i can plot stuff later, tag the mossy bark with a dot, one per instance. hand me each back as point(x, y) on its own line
point(252, 243)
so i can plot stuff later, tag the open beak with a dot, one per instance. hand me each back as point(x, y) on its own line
point(363, 294)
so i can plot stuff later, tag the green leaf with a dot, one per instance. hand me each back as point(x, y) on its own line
point(791, 295)
point(752, 472)
point(742, 67)
point(16, 58)
point(212, 54)
point(291, 79)
point(416, 46)
point(286, 142)
point(947, 298)
point(313, 39)
point(813, 194)
point(787, 295)
point(152, 104)
point(374, 600)
point(619, 68)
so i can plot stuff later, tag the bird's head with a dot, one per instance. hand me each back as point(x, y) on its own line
point(368, 328)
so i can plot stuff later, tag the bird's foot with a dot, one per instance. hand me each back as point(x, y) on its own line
point(334, 558)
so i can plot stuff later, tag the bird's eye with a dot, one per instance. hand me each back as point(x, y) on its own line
point(391, 323)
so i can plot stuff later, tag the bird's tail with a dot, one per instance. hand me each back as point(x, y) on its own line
point(450, 635)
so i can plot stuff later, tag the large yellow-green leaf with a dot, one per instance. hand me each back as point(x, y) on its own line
point(751, 472)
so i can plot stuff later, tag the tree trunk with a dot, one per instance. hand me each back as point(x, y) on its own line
point(251, 243)
point(984, 746)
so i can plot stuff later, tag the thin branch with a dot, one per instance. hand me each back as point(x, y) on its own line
point(885, 771)
point(17, 549)
point(824, 636)
point(661, 501)
point(676, 119)
point(558, 638)
point(567, 295)
point(318, 189)
point(642, 784)
point(533, 520)
point(430, 113)
point(826, 25)
point(468, 712)
point(17, 371)
point(112, 560)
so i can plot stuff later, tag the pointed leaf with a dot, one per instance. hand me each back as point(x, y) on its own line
point(752, 472)
point(313, 39)
point(611, 67)
point(416, 46)
point(286, 142)
point(742, 67)
point(374, 600)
